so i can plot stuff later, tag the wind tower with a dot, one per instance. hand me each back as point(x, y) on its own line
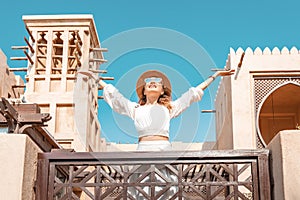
point(57, 48)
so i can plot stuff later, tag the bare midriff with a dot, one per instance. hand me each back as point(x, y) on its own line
point(153, 138)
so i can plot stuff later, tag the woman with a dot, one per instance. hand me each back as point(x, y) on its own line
point(155, 109)
point(151, 116)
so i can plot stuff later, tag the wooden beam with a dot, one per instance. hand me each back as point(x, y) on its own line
point(18, 86)
point(18, 69)
point(98, 71)
point(18, 58)
point(107, 78)
point(29, 58)
point(208, 111)
point(29, 45)
point(97, 60)
point(19, 47)
point(30, 34)
point(99, 49)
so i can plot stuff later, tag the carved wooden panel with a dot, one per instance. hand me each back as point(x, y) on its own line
point(158, 177)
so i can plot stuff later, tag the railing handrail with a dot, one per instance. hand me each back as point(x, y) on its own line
point(144, 155)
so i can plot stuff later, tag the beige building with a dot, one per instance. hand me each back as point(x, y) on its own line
point(262, 99)
point(11, 86)
point(259, 107)
point(59, 47)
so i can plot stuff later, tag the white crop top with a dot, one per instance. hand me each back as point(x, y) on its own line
point(150, 119)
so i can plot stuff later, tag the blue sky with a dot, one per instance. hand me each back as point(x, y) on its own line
point(184, 39)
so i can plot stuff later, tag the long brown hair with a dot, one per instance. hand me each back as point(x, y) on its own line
point(164, 99)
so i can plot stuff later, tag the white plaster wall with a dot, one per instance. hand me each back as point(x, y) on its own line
point(8, 80)
point(243, 117)
point(285, 165)
point(18, 155)
point(223, 106)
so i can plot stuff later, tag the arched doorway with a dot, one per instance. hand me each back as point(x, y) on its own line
point(279, 111)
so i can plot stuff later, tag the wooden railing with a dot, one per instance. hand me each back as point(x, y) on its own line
point(230, 174)
point(21, 118)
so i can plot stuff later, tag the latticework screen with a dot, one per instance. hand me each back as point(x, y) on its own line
point(262, 87)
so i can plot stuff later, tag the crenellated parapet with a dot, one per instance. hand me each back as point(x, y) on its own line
point(266, 51)
point(254, 59)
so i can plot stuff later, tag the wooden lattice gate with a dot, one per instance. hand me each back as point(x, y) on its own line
point(242, 174)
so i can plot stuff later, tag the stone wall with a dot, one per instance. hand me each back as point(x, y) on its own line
point(18, 155)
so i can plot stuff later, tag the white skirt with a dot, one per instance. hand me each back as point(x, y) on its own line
point(157, 145)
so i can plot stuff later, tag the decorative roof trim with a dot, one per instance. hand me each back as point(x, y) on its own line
point(266, 51)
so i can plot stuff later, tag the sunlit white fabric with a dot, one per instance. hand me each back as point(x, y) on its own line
point(150, 119)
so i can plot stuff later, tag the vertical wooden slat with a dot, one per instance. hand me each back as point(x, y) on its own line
point(235, 178)
point(255, 180)
point(98, 180)
point(51, 179)
point(207, 180)
point(125, 183)
point(180, 186)
point(42, 179)
point(152, 179)
point(264, 175)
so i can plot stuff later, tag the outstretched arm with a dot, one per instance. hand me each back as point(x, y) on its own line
point(102, 83)
point(194, 94)
point(210, 79)
point(117, 101)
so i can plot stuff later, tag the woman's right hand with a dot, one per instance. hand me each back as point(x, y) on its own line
point(102, 83)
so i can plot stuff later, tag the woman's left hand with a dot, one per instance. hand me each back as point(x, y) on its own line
point(225, 72)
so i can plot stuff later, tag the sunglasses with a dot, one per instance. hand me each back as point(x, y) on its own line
point(153, 79)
